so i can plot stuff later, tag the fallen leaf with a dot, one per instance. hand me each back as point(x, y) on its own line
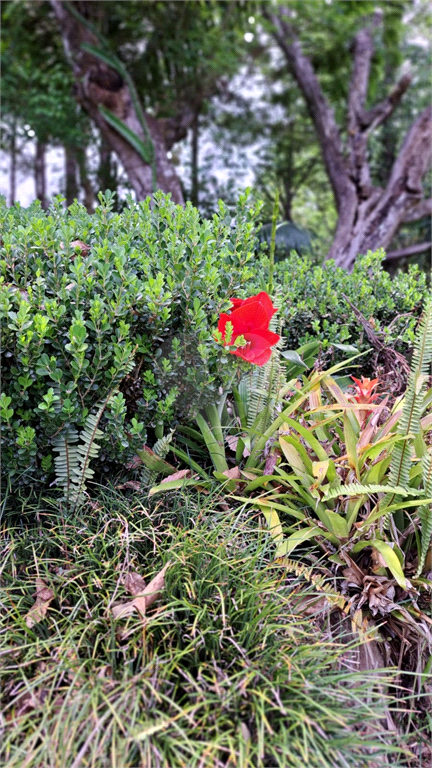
point(232, 441)
point(144, 600)
point(233, 474)
point(134, 484)
point(43, 595)
point(84, 248)
point(134, 463)
point(134, 583)
point(177, 476)
point(270, 464)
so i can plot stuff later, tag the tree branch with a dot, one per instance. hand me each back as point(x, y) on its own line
point(409, 251)
point(363, 50)
point(321, 112)
point(377, 115)
point(418, 211)
point(404, 192)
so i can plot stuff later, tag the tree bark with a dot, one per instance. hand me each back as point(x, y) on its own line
point(71, 174)
point(12, 172)
point(89, 197)
point(368, 216)
point(98, 84)
point(194, 162)
point(40, 173)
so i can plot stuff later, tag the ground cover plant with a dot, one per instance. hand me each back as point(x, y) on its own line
point(225, 669)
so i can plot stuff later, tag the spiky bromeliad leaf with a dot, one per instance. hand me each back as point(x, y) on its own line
point(409, 423)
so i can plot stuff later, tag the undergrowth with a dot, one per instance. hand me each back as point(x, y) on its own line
point(226, 669)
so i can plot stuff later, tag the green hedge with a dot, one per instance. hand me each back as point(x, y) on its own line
point(314, 308)
point(149, 288)
point(133, 305)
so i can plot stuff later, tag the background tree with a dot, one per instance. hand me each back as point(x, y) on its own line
point(368, 215)
point(171, 63)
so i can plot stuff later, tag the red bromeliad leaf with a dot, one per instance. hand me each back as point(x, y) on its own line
point(250, 318)
point(364, 389)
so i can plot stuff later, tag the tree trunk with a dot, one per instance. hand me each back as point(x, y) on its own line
point(40, 173)
point(89, 198)
point(107, 176)
point(71, 174)
point(368, 216)
point(12, 172)
point(97, 84)
point(194, 163)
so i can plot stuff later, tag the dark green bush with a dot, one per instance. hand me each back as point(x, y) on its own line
point(140, 290)
point(314, 308)
point(92, 303)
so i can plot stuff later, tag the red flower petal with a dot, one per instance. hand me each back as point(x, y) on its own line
point(258, 349)
point(237, 303)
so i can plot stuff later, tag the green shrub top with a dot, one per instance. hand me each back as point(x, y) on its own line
point(94, 302)
point(83, 296)
point(313, 305)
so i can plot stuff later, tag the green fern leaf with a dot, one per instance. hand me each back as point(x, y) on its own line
point(409, 423)
point(425, 514)
point(354, 489)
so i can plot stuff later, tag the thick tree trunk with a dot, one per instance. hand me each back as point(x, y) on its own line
point(40, 173)
point(368, 216)
point(97, 84)
point(71, 175)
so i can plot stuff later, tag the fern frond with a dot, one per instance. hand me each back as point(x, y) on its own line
point(66, 462)
point(425, 514)
point(409, 423)
point(73, 460)
point(354, 489)
point(160, 449)
point(318, 581)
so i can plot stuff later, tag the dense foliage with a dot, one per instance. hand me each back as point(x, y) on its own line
point(91, 303)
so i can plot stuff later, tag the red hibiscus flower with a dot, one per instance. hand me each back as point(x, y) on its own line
point(250, 318)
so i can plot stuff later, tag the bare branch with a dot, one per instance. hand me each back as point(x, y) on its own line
point(378, 114)
point(321, 112)
point(418, 211)
point(409, 251)
point(363, 50)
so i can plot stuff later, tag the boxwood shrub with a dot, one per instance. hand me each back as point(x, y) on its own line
point(90, 302)
point(313, 306)
point(127, 302)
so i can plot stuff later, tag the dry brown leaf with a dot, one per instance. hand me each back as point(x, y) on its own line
point(177, 476)
point(233, 474)
point(134, 484)
point(84, 248)
point(232, 441)
point(134, 583)
point(134, 463)
point(43, 595)
point(143, 601)
point(270, 464)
